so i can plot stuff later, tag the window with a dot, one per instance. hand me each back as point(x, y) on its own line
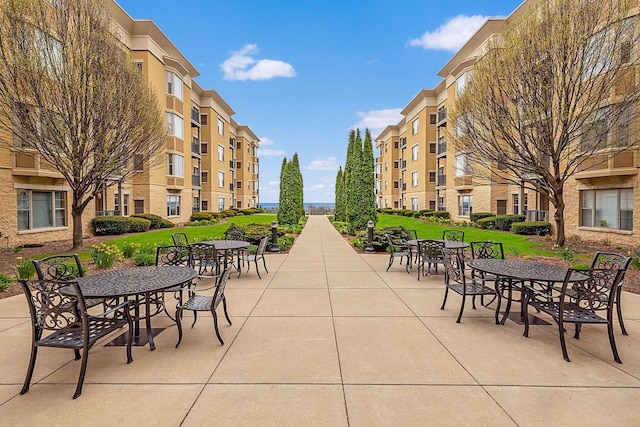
point(611, 209)
point(220, 204)
point(173, 205)
point(220, 127)
point(396, 144)
point(396, 184)
point(378, 168)
point(175, 165)
point(196, 204)
point(596, 130)
point(256, 168)
point(204, 120)
point(138, 206)
point(204, 176)
point(238, 145)
point(463, 165)
point(386, 147)
point(205, 205)
point(432, 205)
point(204, 148)
point(386, 164)
point(414, 126)
point(138, 162)
point(41, 209)
point(414, 152)
point(462, 82)
point(432, 147)
point(238, 185)
point(220, 179)
point(220, 153)
point(501, 207)
point(516, 204)
point(175, 126)
point(433, 118)
point(116, 203)
point(378, 186)
point(465, 205)
point(441, 204)
point(174, 85)
point(625, 52)
point(432, 177)
point(414, 178)
point(396, 165)
point(414, 203)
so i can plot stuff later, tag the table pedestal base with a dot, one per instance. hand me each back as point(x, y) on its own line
point(139, 341)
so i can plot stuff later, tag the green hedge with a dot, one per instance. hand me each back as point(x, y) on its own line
point(488, 223)
point(156, 220)
point(476, 216)
point(110, 225)
point(166, 224)
point(138, 225)
point(441, 214)
point(201, 216)
point(227, 213)
point(504, 222)
point(533, 228)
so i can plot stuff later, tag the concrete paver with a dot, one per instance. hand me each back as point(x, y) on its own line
point(328, 337)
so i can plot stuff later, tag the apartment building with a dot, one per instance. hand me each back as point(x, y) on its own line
point(196, 171)
point(247, 168)
point(600, 199)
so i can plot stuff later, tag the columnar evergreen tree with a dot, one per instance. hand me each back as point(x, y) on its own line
point(352, 183)
point(348, 170)
point(340, 196)
point(291, 206)
point(298, 191)
point(368, 180)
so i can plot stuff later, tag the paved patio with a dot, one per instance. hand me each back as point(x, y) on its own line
point(329, 338)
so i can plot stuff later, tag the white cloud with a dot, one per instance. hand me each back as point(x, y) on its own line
point(377, 120)
point(241, 66)
point(451, 35)
point(328, 164)
point(274, 183)
point(268, 152)
point(318, 187)
point(266, 141)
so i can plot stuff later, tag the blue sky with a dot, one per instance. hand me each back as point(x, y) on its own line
point(302, 73)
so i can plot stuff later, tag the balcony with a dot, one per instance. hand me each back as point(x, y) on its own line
point(442, 181)
point(442, 147)
point(231, 187)
point(442, 115)
point(403, 165)
point(537, 215)
point(195, 117)
point(195, 148)
point(232, 164)
point(404, 187)
point(195, 180)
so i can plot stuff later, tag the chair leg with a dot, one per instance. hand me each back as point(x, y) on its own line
point(195, 318)
point(576, 335)
point(224, 306)
point(32, 365)
point(77, 354)
point(264, 263)
point(444, 301)
point(390, 262)
point(563, 344)
point(525, 310)
point(461, 309)
point(215, 327)
point(257, 270)
point(612, 339)
point(83, 370)
point(179, 324)
point(499, 303)
point(619, 310)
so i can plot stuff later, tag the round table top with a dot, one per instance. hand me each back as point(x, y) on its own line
point(523, 269)
point(225, 245)
point(134, 281)
point(448, 244)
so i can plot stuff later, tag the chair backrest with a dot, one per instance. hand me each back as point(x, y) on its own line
point(408, 234)
point(453, 266)
point(59, 267)
point(180, 239)
point(55, 305)
point(203, 254)
point(430, 249)
point(173, 255)
point(486, 250)
point(234, 233)
point(596, 292)
point(393, 246)
point(610, 260)
point(221, 284)
point(457, 235)
point(262, 246)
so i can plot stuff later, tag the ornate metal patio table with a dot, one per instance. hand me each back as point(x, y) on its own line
point(448, 244)
point(136, 282)
point(510, 272)
point(227, 246)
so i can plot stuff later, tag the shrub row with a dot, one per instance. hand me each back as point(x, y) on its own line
point(415, 214)
point(533, 228)
point(112, 225)
point(476, 216)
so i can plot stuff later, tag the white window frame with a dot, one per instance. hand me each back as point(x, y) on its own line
point(414, 178)
point(465, 209)
point(57, 215)
point(220, 153)
point(414, 204)
point(204, 176)
point(125, 203)
point(616, 199)
point(175, 125)
point(175, 165)
point(173, 205)
point(174, 84)
point(221, 201)
point(220, 127)
point(462, 165)
point(415, 126)
point(221, 179)
point(462, 82)
point(414, 152)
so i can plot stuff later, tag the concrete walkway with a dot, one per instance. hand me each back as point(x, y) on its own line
point(327, 337)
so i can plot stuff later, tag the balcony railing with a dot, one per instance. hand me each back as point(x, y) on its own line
point(403, 165)
point(195, 147)
point(404, 187)
point(195, 180)
point(442, 180)
point(537, 215)
point(442, 114)
point(195, 116)
point(231, 187)
point(442, 147)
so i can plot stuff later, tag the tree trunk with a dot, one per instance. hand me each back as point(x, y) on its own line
point(76, 213)
point(559, 218)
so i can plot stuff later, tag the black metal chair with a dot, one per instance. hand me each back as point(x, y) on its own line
point(58, 309)
point(177, 256)
point(180, 239)
point(456, 235)
point(235, 233)
point(487, 249)
point(398, 250)
point(63, 268)
point(429, 253)
point(262, 246)
point(406, 235)
point(456, 280)
point(205, 258)
point(613, 261)
point(577, 302)
point(197, 302)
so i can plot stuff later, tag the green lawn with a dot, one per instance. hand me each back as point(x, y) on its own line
point(163, 237)
point(513, 244)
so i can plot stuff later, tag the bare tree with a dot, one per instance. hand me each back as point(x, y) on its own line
point(70, 92)
point(557, 86)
